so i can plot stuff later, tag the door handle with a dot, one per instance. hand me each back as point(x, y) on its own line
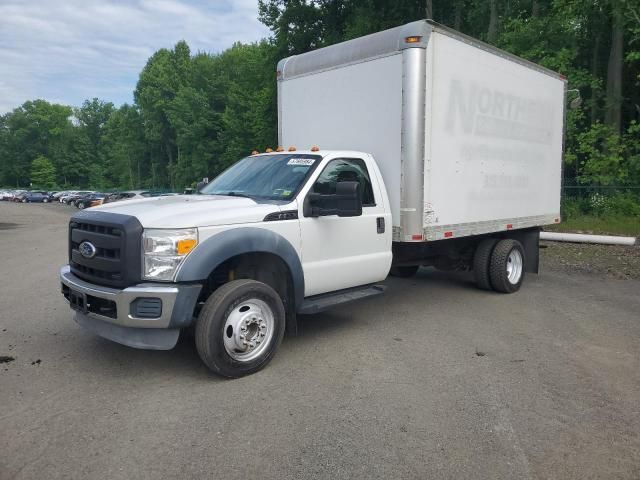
point(380, 224)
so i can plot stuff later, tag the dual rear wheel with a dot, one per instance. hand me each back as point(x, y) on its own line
point(499, 265)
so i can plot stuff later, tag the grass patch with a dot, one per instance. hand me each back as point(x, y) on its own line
point(613, 225)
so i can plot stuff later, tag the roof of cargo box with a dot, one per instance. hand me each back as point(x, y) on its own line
point(382, 44)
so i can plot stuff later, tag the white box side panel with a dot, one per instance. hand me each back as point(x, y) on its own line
point(356, 107)
point(494, 141)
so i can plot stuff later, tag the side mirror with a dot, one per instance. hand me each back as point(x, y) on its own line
point(346, 202)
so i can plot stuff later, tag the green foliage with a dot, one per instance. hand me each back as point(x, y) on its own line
point(602, 203)
point(43, 173)
point(609, 158)
point(195, 114)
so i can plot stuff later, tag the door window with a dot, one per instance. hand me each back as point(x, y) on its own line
point(346, 170)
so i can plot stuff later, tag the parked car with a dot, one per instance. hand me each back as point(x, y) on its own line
point(71, 199)
point(10, 195)
point(90, 200)
point(57, 195)
point(66, 195)
point(33, 197)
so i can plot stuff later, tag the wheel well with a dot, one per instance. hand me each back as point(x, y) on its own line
point(264, 267)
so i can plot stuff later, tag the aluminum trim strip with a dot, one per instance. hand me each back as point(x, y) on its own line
point(490, 226)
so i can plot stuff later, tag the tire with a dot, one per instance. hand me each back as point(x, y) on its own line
point(80, 205)
point(46, 200)
point(405, 271)
point(24, 200)
point(507, 266)
point(218, 329)
point(481, 262)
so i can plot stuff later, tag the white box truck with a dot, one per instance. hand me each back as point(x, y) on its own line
point(431, 149)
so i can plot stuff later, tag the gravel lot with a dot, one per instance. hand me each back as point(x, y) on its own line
point(434, 379)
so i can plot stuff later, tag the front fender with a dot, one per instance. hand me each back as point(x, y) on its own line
point(219, 248)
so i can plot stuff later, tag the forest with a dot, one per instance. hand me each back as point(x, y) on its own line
point(195, 113)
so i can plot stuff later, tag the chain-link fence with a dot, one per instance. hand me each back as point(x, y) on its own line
point(600, 200)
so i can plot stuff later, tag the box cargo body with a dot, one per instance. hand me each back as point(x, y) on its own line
point(468, 138)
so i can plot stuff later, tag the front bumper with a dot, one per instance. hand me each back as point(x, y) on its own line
point(113, 313)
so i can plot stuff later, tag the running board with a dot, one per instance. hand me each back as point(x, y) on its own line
point(318, 303)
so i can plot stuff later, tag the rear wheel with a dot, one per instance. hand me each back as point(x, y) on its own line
point(481, 262)
point(405, 271)
point(240, 328)
point(46, 200)
point(507, 266)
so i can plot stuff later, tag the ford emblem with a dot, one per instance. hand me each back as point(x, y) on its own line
point(87, 250)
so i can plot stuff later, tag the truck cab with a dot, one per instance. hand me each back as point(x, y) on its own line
point(276, 234)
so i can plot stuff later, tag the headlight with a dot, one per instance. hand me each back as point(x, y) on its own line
point(165, 250)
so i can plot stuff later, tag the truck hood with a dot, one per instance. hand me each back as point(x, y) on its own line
point(183, 211)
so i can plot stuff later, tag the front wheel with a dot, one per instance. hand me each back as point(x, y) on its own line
point(46, 200)
point(24, 200)
point(240, 328)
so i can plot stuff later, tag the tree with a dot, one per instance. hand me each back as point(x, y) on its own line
point(163, 75)
point(613, 113)
point(35, 128)
point(43, 173)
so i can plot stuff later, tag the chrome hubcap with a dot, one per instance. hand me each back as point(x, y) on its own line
point(248, 330)
point(514, 266)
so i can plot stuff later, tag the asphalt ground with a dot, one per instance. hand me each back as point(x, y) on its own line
point(434, 379)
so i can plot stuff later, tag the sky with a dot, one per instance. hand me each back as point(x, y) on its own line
point(66, 51)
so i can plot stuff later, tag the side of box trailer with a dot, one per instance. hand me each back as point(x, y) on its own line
point(493, 143)
point(468, 138)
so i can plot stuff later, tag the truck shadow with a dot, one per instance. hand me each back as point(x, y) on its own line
point(115, 360)
point(111, 359)
point(428, 284)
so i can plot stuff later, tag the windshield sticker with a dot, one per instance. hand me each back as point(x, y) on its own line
point(301, 161)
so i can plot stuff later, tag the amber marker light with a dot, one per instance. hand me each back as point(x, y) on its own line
point(315, 148)
point(185, 246)
point(269, 150)
point(413, 39)
point(280, 149)
point(292, 149)
point(255, 152)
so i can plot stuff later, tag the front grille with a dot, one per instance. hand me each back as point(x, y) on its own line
point(116, 239)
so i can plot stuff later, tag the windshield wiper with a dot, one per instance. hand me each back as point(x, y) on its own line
point(233, 194)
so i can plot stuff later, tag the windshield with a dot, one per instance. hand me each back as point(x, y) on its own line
point(273, 177)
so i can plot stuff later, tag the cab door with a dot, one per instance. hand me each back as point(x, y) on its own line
point(345, 252)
